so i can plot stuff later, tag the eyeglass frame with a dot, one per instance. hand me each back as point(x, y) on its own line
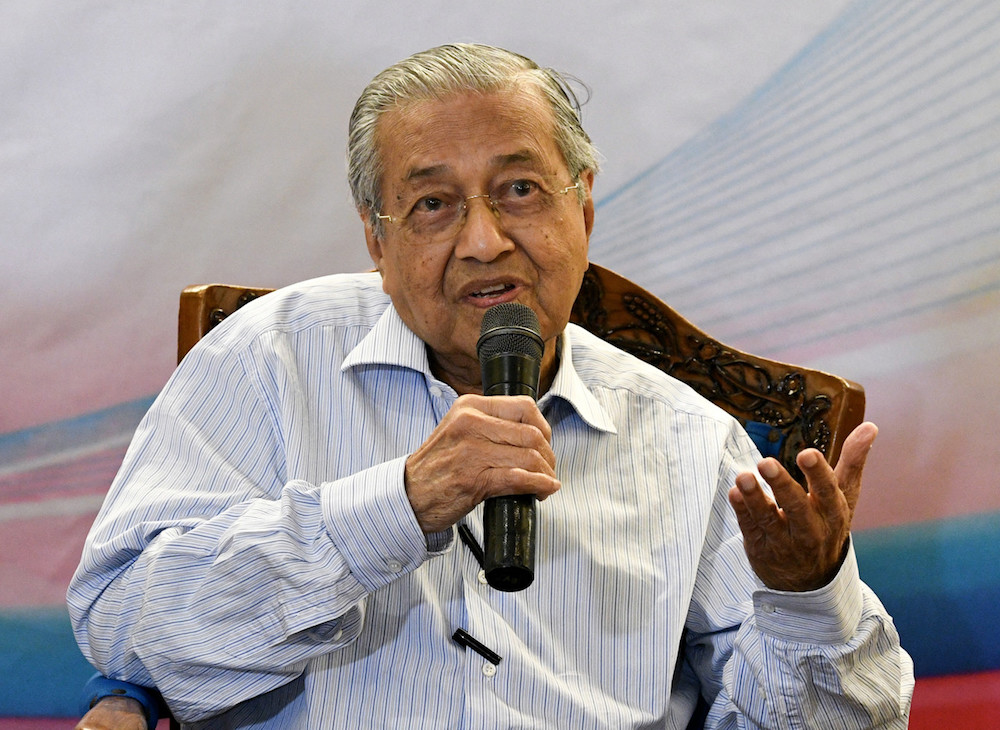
point(464, 207)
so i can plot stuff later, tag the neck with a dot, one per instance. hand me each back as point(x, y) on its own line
point(467, 378)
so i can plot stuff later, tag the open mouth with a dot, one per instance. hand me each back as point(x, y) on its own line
point(492, 291)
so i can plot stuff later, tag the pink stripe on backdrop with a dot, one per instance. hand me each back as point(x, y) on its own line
point(38, 557)
point(90, 473)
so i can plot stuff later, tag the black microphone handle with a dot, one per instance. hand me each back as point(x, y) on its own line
point(509, 526)
point(509, 534)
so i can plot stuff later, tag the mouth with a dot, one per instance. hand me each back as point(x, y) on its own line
point(489, 292)
point(483, 295)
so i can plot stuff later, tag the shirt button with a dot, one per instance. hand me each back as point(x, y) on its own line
point(337, 636)
point(393, 566)
point(435, 391)
point(482, 577)
point(489, 669)
point(767, 607)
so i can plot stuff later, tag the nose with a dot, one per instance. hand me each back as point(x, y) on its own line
point(481, 235)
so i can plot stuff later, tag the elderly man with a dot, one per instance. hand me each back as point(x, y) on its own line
point(279, 547)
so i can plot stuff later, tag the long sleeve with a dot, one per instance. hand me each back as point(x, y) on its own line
point(830, 658)
point(237, 543)
point(824, 658)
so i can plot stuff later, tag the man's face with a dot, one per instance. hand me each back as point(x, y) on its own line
point(470, 144)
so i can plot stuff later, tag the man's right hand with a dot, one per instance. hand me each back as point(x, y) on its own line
point(484, 447)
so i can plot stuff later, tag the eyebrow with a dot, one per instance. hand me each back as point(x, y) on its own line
point(498, 161)
point(514, 158)
point(420, 173)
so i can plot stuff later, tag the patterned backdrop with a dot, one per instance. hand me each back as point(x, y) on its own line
point(817, 182)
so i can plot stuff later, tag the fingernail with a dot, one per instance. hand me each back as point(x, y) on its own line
point(768, 469)
point(746, 484)
point(809, 459)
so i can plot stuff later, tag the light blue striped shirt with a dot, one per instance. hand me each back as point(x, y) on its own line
point(257, 556)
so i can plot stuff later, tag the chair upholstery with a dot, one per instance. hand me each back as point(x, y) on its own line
point(786, 408)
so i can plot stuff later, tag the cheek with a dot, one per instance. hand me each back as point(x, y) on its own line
point(407, 270)
point(561, 271)
point(414, 283)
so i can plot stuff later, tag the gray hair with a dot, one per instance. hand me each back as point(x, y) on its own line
point(445, 70)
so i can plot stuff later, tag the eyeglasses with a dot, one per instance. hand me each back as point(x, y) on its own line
point(438, 217)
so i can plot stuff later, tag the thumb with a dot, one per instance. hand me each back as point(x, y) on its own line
point(853, 458)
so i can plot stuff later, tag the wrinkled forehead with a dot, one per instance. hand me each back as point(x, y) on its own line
point(498, 128)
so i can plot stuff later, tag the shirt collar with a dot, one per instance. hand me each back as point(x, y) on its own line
point(391, 342)
point(569, 386)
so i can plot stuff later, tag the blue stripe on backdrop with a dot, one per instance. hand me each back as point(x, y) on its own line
point(42, 668)
point(939, 581)
point(31, 448)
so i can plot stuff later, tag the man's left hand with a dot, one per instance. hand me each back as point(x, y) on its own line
point(798, 540)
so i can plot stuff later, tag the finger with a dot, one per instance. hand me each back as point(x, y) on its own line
point(743, 513)
point(747, 524)
point(765, 533)
point(788, 493)
point(503, 456)
point(480, 414)
point(853, 458)
point(489, 431)
point(504, 481)
point(515, 408)
point(475, 447)
point(823, 485)
point(759, 506)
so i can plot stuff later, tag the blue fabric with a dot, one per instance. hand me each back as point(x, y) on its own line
point(766, 438)
point(99, 687)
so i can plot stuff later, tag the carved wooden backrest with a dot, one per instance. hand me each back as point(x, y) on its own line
point(785, 407)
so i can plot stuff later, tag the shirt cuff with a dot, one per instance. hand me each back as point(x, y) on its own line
point(828, 615)
point(371, 522)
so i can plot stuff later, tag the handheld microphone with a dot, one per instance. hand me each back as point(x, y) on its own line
point(510, 354)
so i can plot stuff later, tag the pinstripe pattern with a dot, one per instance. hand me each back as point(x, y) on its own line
point(257, 547)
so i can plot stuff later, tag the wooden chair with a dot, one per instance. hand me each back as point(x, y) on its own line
point(785, 408)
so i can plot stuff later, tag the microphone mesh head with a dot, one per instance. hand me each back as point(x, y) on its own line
point(510, 327)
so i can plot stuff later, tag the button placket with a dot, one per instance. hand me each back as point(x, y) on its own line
point(442, 398)
point(479, 612)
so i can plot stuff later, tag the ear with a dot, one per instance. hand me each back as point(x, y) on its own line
point(587, 178)
point(372, 240)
